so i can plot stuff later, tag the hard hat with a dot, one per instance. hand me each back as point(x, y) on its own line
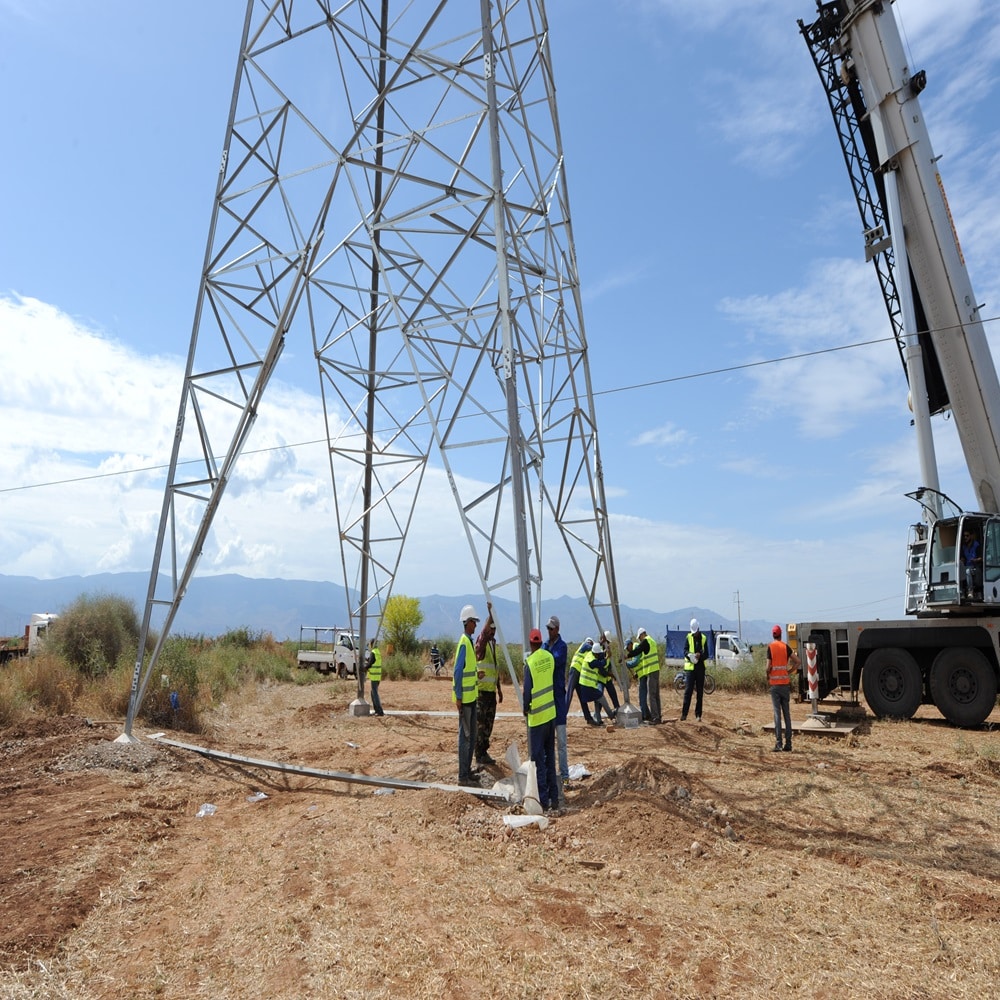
point(640, 633)
point(468, 612)
point(694, 624)
point(776, 631)
point(588, 641)
point(607, 635)
point(535, 636)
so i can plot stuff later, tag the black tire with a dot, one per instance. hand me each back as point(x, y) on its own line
point(709, 684)
point(963, 686)
point(892, 684)
point(680, 681)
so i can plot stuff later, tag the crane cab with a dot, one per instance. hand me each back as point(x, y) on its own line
point(954, 559)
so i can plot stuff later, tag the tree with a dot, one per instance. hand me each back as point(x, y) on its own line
point(401, 617)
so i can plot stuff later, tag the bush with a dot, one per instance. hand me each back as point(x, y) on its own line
point(42, 684)
point(748, 679)
point(244, 638)
point(403, 666)
point(14, 701)
point(94, 632)
point(51, 684)
point(172, 698)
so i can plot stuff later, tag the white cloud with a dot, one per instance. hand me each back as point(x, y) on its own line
point(667, 435)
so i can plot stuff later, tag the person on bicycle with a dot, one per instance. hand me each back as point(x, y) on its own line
point(696, 653)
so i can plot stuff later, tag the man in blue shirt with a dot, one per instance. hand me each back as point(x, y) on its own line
point(557, 647)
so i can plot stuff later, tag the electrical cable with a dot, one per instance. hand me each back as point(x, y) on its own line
point(600, 392)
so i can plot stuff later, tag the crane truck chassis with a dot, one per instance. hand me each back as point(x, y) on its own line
point(901, 665)
point(948, 653)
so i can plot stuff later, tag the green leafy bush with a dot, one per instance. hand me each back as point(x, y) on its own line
point(94, 632)
point(403, 666)
point(173, 698)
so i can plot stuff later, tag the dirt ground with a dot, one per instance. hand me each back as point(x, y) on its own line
point(692, 862)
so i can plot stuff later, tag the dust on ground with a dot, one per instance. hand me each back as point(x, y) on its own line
point(691, 862)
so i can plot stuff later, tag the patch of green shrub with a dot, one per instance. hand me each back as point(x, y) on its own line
point(94, 632)
point(404, 666)
point(173, 696)
point(748, 679)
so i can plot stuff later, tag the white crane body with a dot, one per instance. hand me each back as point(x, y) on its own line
point(949, 655)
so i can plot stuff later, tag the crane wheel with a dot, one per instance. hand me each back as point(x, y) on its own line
point(963, 685)
point(892, 683)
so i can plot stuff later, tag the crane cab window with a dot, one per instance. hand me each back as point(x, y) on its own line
point(991, 560)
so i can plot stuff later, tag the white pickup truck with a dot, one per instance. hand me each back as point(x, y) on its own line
point(329, 648)
point(731, 652)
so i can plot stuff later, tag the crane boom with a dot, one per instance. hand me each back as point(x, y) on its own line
point(862, 39)
point(949, 655)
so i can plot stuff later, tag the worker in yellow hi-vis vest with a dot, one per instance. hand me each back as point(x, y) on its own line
point(465, 694)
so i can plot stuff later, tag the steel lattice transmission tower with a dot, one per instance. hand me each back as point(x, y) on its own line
point(393, 183)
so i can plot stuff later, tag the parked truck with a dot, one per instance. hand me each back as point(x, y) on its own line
point(17, 646)
point(947, 653)
point(725, 648)
point(329, 648)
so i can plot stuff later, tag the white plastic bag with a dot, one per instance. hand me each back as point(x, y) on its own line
point(532, 803)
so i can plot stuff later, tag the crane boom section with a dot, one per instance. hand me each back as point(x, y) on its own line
point(870, 47)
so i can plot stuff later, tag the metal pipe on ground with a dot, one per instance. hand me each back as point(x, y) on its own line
point(314, 772)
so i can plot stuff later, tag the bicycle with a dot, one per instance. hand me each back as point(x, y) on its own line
point(680, 682)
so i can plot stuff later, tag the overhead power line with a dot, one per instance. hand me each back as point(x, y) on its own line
point(707, 373)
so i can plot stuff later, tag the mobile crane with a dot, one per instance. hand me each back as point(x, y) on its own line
point(947, 653)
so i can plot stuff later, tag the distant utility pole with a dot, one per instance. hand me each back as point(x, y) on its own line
point(392, 189)
point(739, 616)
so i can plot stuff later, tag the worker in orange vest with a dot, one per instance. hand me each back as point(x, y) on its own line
point(782, 662)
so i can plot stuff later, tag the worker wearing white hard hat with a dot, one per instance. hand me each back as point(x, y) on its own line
point(695, 655)
point(607, 676)
point(465, 694)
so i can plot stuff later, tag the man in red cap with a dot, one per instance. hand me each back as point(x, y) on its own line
point(540, 710)
point(782, 662)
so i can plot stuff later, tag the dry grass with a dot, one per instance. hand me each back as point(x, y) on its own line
point(692, 863)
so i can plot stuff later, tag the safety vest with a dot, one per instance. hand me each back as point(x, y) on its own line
point(650, 662)
point(375, 667)
point(688, 665)
point(577, 662)
point(604, 670)
point(543, 702)
point(487, 669)
point(588, 670)
point(779, 664)
point(469, 680)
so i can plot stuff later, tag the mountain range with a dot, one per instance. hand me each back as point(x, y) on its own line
point(215, 604)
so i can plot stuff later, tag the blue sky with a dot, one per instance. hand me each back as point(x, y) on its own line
point(715, 230)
